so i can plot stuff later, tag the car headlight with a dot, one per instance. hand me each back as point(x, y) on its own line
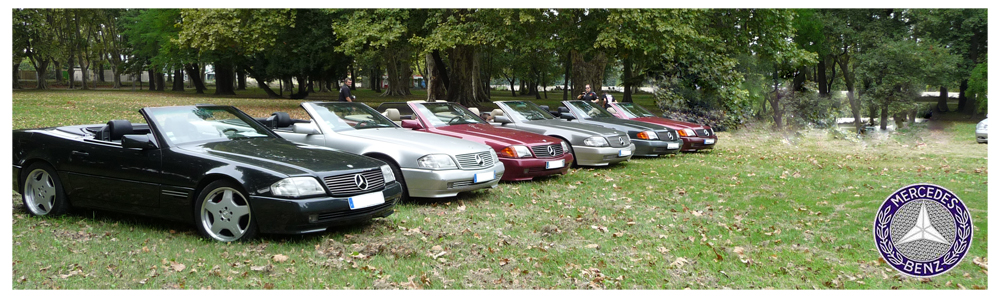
point(515, 151)
point(687, 132)
point(981, 126)
point(596, 142)
point(297, 187)
point(387, 174)
point(647, 135)
point(436, 162)
point(565, 146)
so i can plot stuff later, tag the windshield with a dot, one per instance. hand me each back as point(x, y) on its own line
point(526, 111)
point(202, 124)
point(634, 110)
point(350, 116)
point(446, 113)
point(591, 110)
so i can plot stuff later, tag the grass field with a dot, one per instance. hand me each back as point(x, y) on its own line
point(762, 210)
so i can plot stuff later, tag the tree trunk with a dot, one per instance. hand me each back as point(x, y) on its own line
point(588, 72)
point(566, 75)
point(41, 66)
point(83, 73)
point(479, 85)
point(849, 85)
point(942, 105)
point(71, 72)
point(824, 90)
point(883, 123)
point(461, 88)
point(224, 78)
point(437, 83)
point(17, 75)
point(241, 80)
point(100, 72)
point(178, 80)
point(193, 75)
point(964, 104)
point(58, 70)
point(513, 92)
point(627, 79)
point(161, 82)
point(116, 78)
point(152, 79)
point(398, 73)
point(352, 76)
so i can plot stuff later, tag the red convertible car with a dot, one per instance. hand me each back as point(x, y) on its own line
point(524, 155)
point(696, 136)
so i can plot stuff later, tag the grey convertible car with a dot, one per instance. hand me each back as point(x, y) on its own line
point(592, 145)
point(429, 165)
point(650, 139)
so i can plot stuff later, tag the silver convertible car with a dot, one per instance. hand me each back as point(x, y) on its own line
point(431, 166)
point(591, 145)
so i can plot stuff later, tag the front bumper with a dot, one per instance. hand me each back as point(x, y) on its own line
point(520, 169)
point(981, 136)
point(654, 148)
point(423, 183)
point(692, 144)
point(292, 216)
point(600, 156)
point(17, 176)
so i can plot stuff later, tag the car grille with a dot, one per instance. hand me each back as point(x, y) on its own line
point(335, 214)
point(465, 183)
point(666, 135)
point(344, 185)
point(613, 141)
point(703, 132)
point(543, 150)
point(468, 160)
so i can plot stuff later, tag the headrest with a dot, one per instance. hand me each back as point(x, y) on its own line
point(563, 110)
point(544, 107)
point(118, 128)
point(474, 110)
point(496, 112)
point(392, 114)
point(611, 110)
point(282, 119)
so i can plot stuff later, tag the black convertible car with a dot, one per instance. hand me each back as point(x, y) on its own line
point(211, 165)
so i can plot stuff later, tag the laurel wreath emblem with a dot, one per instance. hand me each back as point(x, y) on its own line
point(882, 231)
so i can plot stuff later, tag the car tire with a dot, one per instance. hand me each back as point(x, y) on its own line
point(223, 213)
point(42, 191)
point(405, 194)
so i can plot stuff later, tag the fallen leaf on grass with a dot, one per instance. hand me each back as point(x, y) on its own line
point(982, 262)
point(72, 273)
point(177, 266)
point(279, 258)
point(679, 262)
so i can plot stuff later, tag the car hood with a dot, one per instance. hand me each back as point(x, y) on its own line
point(500, 136)
point(582, 129)
point(669, 123)
point(417, 141)
point(624, 125)
point(283, 156)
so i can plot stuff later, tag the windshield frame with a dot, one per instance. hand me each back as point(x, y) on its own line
point(169, 133)
point(518, 116)
point(321, 113)
point(423, 108)
point(629, 108)
point(601, 114)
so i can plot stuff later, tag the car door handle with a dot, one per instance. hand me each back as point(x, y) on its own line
point(81, 153)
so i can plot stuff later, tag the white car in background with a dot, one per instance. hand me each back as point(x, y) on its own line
point(981, 130)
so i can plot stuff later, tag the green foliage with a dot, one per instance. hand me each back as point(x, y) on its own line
point(236, 31)
point(978, 86)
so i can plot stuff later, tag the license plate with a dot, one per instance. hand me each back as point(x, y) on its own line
point(366, 200)
point(672, 145)
point(709, 141)
point(555, 164)
point(624, 152)
point(483, 177)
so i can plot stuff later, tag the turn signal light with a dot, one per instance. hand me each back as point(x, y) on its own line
point(645, 135)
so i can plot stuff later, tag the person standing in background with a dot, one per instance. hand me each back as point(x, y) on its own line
point(345, 91)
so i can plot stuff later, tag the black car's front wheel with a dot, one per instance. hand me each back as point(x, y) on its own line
point(224, 213)
point(42, 192)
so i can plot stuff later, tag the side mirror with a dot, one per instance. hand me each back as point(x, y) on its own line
point(411, 124)
point(137, 142)
point(303, 128)
point(567, 116)
point(503, 120)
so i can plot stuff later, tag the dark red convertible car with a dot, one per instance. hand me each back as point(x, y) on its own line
point(524, 155)
point(696, 136)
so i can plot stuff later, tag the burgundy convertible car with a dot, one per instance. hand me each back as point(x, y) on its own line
point(524, 155)
point(696, 136)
